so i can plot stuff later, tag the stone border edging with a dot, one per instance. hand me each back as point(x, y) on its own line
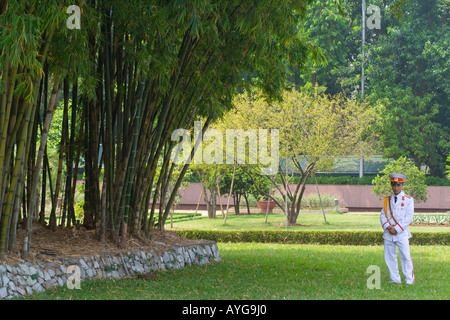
point(26, 278)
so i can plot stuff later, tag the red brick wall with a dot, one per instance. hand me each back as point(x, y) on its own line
point(354, 197)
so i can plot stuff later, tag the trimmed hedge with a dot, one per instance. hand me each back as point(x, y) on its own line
point(311, 236)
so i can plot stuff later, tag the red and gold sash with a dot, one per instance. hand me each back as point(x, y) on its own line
point(386, 202)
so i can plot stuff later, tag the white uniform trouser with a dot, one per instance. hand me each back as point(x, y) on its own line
point(390, 256)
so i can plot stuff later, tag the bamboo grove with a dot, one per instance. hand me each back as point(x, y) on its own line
point(134, 72)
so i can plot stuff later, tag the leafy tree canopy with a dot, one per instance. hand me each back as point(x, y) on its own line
point(415, 180)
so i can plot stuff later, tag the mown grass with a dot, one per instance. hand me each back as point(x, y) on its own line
point(278, 271)
point(308, 221)
point(268, 271)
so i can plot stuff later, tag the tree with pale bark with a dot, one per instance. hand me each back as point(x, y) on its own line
point(314, 130)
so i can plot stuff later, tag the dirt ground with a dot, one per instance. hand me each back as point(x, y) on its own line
point(47, 245)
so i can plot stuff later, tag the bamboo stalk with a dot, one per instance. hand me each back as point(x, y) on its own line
point(69, 203)
point(55, 196)
point(14, 179)
point(5, 111)
point(133, 158)
point(48, 118)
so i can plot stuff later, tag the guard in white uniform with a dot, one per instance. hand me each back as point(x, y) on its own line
point(396, 215)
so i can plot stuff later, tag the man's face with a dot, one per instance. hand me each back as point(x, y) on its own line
point(396, 187)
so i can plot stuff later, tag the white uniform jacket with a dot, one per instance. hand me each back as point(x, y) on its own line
point(402, 211)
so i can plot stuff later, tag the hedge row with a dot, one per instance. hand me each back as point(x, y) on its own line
point(344, 179)
point(312, 236)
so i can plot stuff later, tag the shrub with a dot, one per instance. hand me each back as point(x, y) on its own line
point(436, 181)
point(313, 200)
point(312, 237)
point(415, 180)
point(79, 210)
point(431, 218)
point(348, 180)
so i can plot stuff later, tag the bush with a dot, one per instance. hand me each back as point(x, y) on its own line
point(313, 200)
point(178, 217)
point(347, 180)
point(436, 181)
point(79, 210)
point(431, 218)
point(414, 185)
point(311, 237)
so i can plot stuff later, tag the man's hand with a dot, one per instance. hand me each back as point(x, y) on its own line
point(392, 230)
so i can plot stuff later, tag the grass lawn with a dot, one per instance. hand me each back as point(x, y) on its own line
point(279, 271)
point(309, 221)
point(257, 271)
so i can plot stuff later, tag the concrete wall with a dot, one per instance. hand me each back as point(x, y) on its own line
point(354, 197)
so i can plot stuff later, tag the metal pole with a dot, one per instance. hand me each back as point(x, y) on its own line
point(361, 160)
point(286, 200)
point(363, 42)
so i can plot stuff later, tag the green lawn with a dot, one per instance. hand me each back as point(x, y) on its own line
point(279, 271)
point(309, 221)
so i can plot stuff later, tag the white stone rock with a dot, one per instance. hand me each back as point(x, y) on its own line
point(83, 264)
point(12, 286)
point(33, 270)
point(51, 273)
point(47, 276)
point(22, 280)
point(3, 293)
point(21, 291)
point(29, 290)
point(30, 281)
point(38, 288)
point(5, 280)
point(63, 269)
point(25, 269)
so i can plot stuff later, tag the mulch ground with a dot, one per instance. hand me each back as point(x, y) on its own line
point(48, 245)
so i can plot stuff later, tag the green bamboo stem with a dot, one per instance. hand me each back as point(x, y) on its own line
point(34, 184)
point(4, 116)
point(14, 178)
